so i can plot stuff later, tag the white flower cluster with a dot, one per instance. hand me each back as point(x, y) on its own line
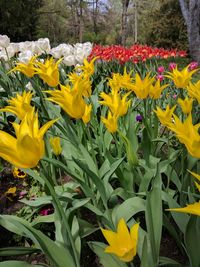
point(72, 54)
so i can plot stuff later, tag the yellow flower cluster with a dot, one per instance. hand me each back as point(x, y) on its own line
point(117, 104)
point(48, 71)
point(147, 87)
point(181, 78)
point(27, 148)
point(73, 98)
point(19, 105)
point(186, 132)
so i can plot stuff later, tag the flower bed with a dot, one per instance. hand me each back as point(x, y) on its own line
point(110, 156)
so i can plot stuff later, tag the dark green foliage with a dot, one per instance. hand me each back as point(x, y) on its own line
point(169, 29)
point(18, 19)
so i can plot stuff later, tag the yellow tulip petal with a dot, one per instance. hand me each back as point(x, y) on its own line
point(197, 186)
point(45, 127)
point(191, 208)
point(123, 232)
point(127, 257)
point(197, 176)
point(110, 236)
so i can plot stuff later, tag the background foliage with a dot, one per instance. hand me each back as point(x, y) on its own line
point(154, 22)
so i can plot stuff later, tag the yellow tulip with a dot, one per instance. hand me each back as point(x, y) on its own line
point(19, 105)
point(122, 243)
point(88, 67)
point(141, 86)
point(186, 104)
point(117, 105)
point(119, 81)
point(165, 116)
point(191, 209)
point(110, 122)
point(188, 134)
point(87, 114)
point(71, 101)
point(27, 69)
point(181, 78)
point(156, 90)
point(81, 81)
point(27, 148)
point(194, 90)
point(48, 71)
point(55, 145)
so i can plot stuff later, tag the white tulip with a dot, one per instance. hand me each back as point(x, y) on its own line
point(79, 55)
point(27, 45)
point(55, 52)
point(14, 47)
point(69, 60)
point(42, 45)
point(25, 56)
point(4, 41)
point(3, 55)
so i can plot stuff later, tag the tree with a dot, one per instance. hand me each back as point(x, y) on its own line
point(125, 4)
point(18, 19)
point(168, 29)
point(191, 13)
point(52, 21)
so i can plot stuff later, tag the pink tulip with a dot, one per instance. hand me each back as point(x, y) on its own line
point(160, 69)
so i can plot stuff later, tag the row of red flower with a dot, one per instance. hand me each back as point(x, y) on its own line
point(134, 53)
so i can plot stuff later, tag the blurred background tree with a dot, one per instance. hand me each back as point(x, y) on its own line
point(156, 22)
point(19, 18)
point(168, 27)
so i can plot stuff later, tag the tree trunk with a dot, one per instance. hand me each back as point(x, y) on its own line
point(125, 4)
point(194, 29)
point(191, 14)
point(136, 23)
point(79, 18)
point(94, 15)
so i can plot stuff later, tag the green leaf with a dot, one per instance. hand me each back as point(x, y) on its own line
point(17, 264)
point(58, 255)
point(144, 257)
point(86, 228)
point(165, 261)
point(154, 216)
point(40, 201)
point(192, 240)
point(181, 219)
point(76, 236)
point(106, 259)
point(90, 163)
point(96, 180)
point(86, 189)
point(16, 251)
point(43, 219)
point(128, 208)
point(112, 169)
